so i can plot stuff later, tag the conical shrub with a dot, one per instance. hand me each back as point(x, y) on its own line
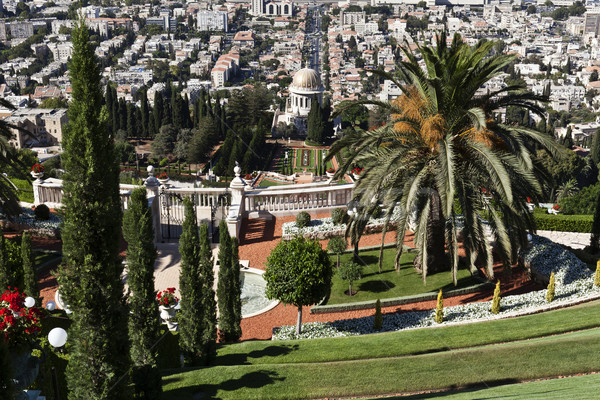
point(439, 310)
point(496, 300)
point(378, 320)
point(550, 291)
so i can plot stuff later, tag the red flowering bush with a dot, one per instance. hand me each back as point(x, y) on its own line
point(37, 168)
point(330, 170)
point(529, 200)
point(357, 171)
point(167, 297)
point(556, 207)
point(162, 175)
point(17, 322)
point(248, 177)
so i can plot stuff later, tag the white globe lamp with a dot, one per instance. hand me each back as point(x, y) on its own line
point(29, 302)
point(57, 337)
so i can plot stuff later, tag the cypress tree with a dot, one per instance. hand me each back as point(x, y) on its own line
point(597, 274)
point(595, 236)
point(131, 123)
point(143, 319)
point(209, 304)
point(190, 286)
point(496, 299)
point(122, 114)
point(145, 114)
point(29, 282)
point(315, 122)
point(595, 150)
point(116, 123)
point(108, 101)
point(5, 272)
point(439, 310)
point(90, 274)
point(157, 111)
point(228, 287)
point(185, 112)
point(550, 290)
point(378, 319)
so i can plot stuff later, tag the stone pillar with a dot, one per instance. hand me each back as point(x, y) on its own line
point(236, 209)
point(152, 185)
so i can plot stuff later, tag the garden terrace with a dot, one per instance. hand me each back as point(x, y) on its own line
point(481, 355)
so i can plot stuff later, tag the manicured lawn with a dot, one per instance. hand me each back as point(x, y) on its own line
point(311, 159)
point(391, 283)
point(25, 187)
point(551, 356)
point(418, 341)
point(265, 183)
point(583, 387)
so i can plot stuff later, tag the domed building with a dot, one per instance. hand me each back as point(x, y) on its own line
point(305, 86)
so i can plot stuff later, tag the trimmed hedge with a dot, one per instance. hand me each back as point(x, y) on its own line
point(564, 223)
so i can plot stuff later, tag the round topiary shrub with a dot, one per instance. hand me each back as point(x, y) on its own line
point(338, 215)
point(303, 219)
point(42, 212)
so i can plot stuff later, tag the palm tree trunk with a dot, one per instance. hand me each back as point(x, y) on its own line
point(436, 241)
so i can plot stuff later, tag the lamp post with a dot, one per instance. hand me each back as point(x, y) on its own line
point(57, 338)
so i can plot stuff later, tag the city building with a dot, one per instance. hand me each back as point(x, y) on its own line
point(37, 126)
point(211, 21)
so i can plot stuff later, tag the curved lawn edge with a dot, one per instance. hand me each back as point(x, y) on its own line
point(396, 301)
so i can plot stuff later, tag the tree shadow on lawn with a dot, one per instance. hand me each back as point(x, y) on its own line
point(242, 358)
point(474, 388)
point(378, 286)
point(252, 380)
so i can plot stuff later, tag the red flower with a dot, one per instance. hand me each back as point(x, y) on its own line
point(556, 207)
point(167, 297)
point(162, 175)
point(357, 171)
point(529, 200)
point(37, 168)
point(17, 321)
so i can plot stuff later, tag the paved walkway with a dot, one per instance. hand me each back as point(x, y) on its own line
point(571, 239)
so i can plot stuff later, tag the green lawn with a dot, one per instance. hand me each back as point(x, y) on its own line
point(265, 183)
point(584, 387)
point(25, 187)
point(391, 283)
point(311, 160)
point(508, 362)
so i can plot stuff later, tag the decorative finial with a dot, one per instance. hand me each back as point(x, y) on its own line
point(150, 170)
point(237, 169)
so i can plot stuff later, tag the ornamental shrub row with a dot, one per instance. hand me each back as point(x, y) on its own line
point(564, 223)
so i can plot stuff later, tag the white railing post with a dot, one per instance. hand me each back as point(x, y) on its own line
point(37, 189)
point(236, 209)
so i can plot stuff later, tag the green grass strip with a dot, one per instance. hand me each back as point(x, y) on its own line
point(560, 355)
point(416, 341)
point(585, 387)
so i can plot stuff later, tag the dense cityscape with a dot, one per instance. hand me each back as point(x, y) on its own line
point(299, 199)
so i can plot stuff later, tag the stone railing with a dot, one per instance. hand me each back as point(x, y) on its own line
point(50, 192)
point(288, 200)
point(235, 202)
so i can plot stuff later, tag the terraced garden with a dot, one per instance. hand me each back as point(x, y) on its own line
point(551, 344)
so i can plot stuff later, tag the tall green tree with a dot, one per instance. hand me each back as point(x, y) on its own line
point(228, 286)
point(442, 146)
point(30, 285)
point(595, 150)
point(144, 330)
point(316, 125)
point(190, 286)
point(209, 304)
point(90, 275)
point(158, 111)
point(144, 132)
point(9, 201)
point(298, 272)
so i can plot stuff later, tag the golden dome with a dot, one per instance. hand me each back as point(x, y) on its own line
point(307, 79)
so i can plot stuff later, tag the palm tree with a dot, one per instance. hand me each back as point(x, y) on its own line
point(9, 201)
point(445, 162)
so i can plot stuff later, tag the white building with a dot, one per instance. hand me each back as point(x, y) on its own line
point(305, 86)
point(211, 21)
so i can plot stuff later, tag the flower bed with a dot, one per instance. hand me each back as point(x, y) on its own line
point(573, 281)
point(325, 227)
point(26, 220)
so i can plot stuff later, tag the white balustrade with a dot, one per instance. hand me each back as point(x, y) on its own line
point(283, 199)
